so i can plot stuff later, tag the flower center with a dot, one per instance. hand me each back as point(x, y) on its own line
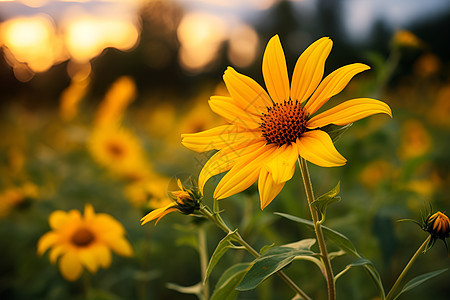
point(283, 123)
point(115, 149)
point(82, 237)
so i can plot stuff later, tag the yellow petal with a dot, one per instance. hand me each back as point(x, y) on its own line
point(308, 71)
point(268, 189)
point(103, 255)
point(332, 85)
point(217, 138)
point(46, 241)
point(246, 93)
point(282, 163)
point(349, 111)
point(70, 266)
point(107, 223)
point(122, 247)
point(225, 159)
point(225, 107)
point(88, 259)
point(274, 71)
point(317, 147)
point(56, 252)
point(58, 218)
point(244, 173)
point(157, 213)
point(89, 213)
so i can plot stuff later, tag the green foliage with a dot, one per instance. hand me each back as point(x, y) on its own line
point(419, 280)
point(273, 260)
point(230, 279)
point(223, 246)
point(322, 202)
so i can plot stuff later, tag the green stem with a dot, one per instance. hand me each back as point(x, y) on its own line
point(318, 229)
point(203, 252)
point(405, 270)
point(216, 219)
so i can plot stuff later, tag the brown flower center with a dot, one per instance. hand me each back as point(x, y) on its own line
point(283, 123)
point(115, 149)
point(82, 237)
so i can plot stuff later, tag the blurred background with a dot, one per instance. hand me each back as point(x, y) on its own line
point(83, 82)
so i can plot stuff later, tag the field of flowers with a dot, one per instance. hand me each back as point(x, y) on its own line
point(88, 148)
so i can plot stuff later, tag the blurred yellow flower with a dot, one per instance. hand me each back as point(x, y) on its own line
point(71, 96)
point(121, 93)
point(415, 140)
point(83, 241)
point(14, 197)
point(268, 131)
point(150, 192)
point(439, 112)
point(427, 64)
point(118, 150)
point(405, 38)
point(376, 172)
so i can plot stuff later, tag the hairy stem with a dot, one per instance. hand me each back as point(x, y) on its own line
point(203, 252)
point(394, 288)
point(216, 219)
point(318, 229)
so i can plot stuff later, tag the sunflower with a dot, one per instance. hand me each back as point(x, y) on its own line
point(118, 150)
point(83, 241)
point(268, 131)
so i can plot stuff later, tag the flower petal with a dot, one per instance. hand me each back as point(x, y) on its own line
point(244, 173)
point(158, 213)
point(88, 259)
point(332, 85)
point(56, 251)
point(46, 241)
point(349, 111)
point(308, 71)
point(275, 71)
point(70, 266)
point(58, 218)
point(89, 213)
point(226, 108)
point(217, 138)
point(317, 147)
point(246, 93)
point(268, 189)
point(103, 255)
point(121, 246)
point(282, 163)
point(225, 159)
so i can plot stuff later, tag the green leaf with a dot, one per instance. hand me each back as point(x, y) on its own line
point(345, 244)
point(419, 280)
point(322, 202)
point(272, 261)
point(222, 247)
point(266, 247)
point(335, 131)
point(338, 238)
point(226, 286)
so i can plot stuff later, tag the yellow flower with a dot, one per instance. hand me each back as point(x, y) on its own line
point(438, 225)
point(119, 151)
point(151, 192)
point(83, 241)
point(185, 201)
point(268, 131)
point(405, 38)
point(121, 93)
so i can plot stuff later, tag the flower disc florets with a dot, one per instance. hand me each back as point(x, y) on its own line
point(283, 123)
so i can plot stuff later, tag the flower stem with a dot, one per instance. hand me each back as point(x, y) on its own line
point(318, 229)
point(391, 293)
point(203, 252)
point(216, 219)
